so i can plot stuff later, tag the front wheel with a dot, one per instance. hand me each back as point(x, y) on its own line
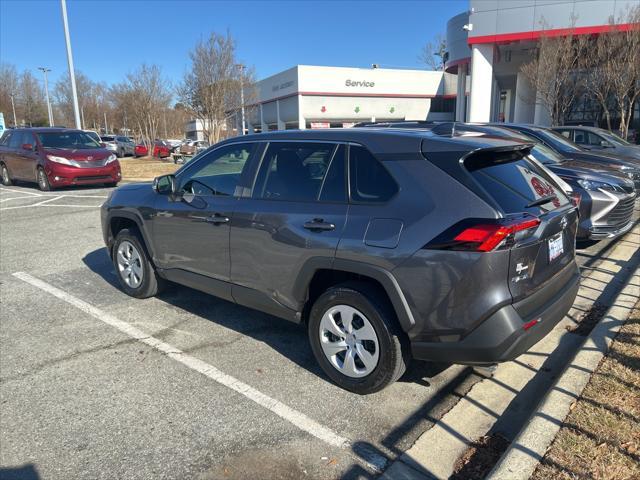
point(6, 178)
point(136, 274)
point(43, 181)
point(356, 340)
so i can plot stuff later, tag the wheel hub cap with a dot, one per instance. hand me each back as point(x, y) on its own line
point(349, 341)
point(129, 264)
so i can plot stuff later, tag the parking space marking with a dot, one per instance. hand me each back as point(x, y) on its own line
point(48, 205)
point(285, 412)
point(5, 189)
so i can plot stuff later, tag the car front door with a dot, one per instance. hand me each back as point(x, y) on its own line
point(191, 228)
point(295, 217)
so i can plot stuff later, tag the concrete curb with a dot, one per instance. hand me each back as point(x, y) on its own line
point(507, 400)
point(529, 447)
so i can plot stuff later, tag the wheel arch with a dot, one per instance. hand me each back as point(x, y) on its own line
point(320, 273)
point(125, 219)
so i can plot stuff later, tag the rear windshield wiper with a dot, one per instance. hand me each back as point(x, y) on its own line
point(541, 201)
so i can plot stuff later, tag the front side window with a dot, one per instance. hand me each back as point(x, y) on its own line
point(218, 172)
point(15, 141)
point(369, 180)
point(301, 171)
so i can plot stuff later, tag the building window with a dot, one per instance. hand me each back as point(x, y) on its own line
point(442, 105)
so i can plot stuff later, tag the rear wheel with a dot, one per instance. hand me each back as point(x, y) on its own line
point(43, 181)
point(134, 270)
point(4, 176)
point(356, 339)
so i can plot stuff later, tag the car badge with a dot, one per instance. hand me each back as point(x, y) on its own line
point(89, 158)
point(564, 222)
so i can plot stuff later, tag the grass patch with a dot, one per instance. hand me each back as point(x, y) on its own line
point(600, 438)
point(145, 168)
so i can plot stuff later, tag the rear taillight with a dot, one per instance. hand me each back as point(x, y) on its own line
point(479, 235)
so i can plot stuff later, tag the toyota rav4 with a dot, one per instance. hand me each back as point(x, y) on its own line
point(385, 244)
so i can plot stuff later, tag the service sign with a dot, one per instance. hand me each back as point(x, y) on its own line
point(2, 127)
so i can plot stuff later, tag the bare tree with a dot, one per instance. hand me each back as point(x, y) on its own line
point(210, 90)
point(553, 72)
point(8, 87)
point(624, 58)
point(144, 96)
point(612, 69)
point(433, 53)
point(31, 99)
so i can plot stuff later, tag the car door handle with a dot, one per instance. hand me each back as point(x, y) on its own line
point(217, 219)
point(318, 224)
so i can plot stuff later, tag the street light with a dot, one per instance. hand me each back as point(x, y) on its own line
point(13, 107)
point(72, 75)
point(241, 68)
point(46, 70)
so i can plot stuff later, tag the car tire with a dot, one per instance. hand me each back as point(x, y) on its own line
point(141, 280)
point(42, 180)
point(5, 177)
point(370, 311)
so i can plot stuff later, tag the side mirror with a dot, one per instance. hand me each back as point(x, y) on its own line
point(103, 145)
point(27, 146)
point(165, 185)
point(605, 144)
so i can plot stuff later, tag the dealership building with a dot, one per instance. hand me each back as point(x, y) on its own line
point(488, 44)
point(327, 97)
point(486, 47)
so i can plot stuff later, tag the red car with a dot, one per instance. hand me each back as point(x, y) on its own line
point(140, 150)
point(56, 157)
point(161, 149)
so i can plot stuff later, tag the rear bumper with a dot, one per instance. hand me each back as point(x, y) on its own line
point(502, 336)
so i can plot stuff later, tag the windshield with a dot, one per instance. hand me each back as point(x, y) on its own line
point(545, 155)
point(613, 138)
point(558, 141)
point(67, 140)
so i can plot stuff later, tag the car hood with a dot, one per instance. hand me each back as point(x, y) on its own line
point(629, 151)
point(79, 155)
point(601, 158)
point(570, 170)
point(127, 187)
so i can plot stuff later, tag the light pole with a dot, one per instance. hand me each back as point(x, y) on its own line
point(72, 75)
point(46, 70)
point(13, 107)
point(241, 68)
point(106, 127)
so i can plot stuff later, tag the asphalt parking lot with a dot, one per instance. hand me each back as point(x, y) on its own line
point(95, 384)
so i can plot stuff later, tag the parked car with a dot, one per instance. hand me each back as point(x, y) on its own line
point(593, 138)
point(93, 135)
point(174, 144)
point(567, 149)
point(56, 157)
point(605, 197)
point(192, 147)
point(161, 149)
point(121, 146)
point(381, 264)
point(141, 150)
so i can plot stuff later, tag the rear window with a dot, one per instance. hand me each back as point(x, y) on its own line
point(514, 182)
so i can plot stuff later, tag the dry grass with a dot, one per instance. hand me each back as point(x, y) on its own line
point(600, 438)
point(145, 168)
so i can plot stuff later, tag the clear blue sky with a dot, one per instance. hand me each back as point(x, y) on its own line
point(111, 38)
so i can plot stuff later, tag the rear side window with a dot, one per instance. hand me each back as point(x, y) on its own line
point(369, 180)
point(514, 182)
point(301, 171)
point(4, 141)
point(16, 140)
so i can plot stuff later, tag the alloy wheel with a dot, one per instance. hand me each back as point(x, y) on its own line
point(349, 341)
point(129, 264)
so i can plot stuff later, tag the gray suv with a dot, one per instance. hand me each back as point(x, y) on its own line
point(385, 244)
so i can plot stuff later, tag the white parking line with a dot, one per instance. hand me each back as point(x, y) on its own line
point(5, 189)
point(298, 419)
point(48, 205)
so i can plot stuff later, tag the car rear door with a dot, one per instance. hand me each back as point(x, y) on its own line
point(295, 217)
point(191, 229)
point(524, 189)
